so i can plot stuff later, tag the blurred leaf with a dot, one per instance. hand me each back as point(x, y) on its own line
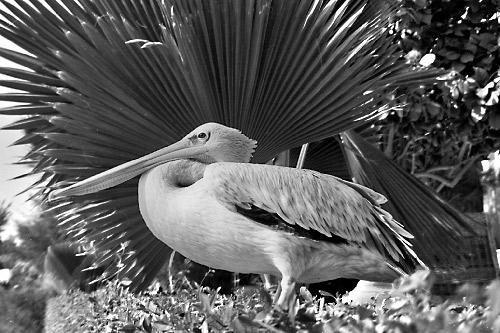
point(471, 47)
point(486, 38)
point(480, 75)
point(420, 3)
point(266, 299)
point(397, 306)
point(472, 293)
point(420, 280)
point(452, 55)
point(478, 112)
point(493, 100)
point(482, 92)
point(470, 85)
point(4, 212)
point(493, 300)
point(427, 18)
point(466, 57)
point(416, 112)
point(427, 59)
point(244, 324)
point(145, 323)
point(332, 325)
point(458, 66)
point(228, 314)
point(494, 119)
point(161, 327)
point(433, 108)
point(306, 294)
point(129, 328)
point(364, 313)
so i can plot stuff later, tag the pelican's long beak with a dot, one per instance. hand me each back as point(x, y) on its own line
point(123, 172)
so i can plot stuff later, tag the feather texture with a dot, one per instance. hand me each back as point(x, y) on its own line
point(311, 200)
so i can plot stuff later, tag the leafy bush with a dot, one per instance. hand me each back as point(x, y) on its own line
point(446, 129)
point(22, 310)
point(183, 307)
point(22, 302)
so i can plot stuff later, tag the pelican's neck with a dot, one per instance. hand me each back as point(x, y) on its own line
point(162, 191)
point(180, 173)
point(165, 180)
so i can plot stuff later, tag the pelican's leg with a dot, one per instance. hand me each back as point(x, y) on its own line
point(266, 278)
point(277, 294)
point(287, 292)
point(236, 281)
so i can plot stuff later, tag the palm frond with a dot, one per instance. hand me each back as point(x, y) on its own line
point(325, 156)
point(454, 245)
point(449, 242)
point(106, 81)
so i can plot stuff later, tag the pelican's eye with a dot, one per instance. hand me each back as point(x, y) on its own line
point(203, 136)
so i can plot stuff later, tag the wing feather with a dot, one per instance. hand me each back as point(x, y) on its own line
point(311, 200)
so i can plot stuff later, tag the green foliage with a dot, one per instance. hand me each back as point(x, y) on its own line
point(36, 235)
point(8, 249)
point(446, 129)
point(22, 303)
point(22, 310)
point(5, 246)
point(4, 213)
point(410, 308)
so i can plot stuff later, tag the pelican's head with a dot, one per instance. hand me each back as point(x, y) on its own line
point(208, 143)
point(219, 143)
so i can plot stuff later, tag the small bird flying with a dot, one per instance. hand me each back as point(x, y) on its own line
point(203, 198)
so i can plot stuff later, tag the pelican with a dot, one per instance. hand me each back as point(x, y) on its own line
point(203, 198)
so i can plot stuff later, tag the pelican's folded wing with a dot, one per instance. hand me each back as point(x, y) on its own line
point(314, 201)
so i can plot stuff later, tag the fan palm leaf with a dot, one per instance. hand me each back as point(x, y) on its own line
point(449, 242)
point(454, 245)
point(106, 81)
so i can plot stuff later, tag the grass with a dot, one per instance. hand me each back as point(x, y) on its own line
point(187, 308)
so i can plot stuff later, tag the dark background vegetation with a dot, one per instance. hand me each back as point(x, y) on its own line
point(445, 130)
point(440, 135)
